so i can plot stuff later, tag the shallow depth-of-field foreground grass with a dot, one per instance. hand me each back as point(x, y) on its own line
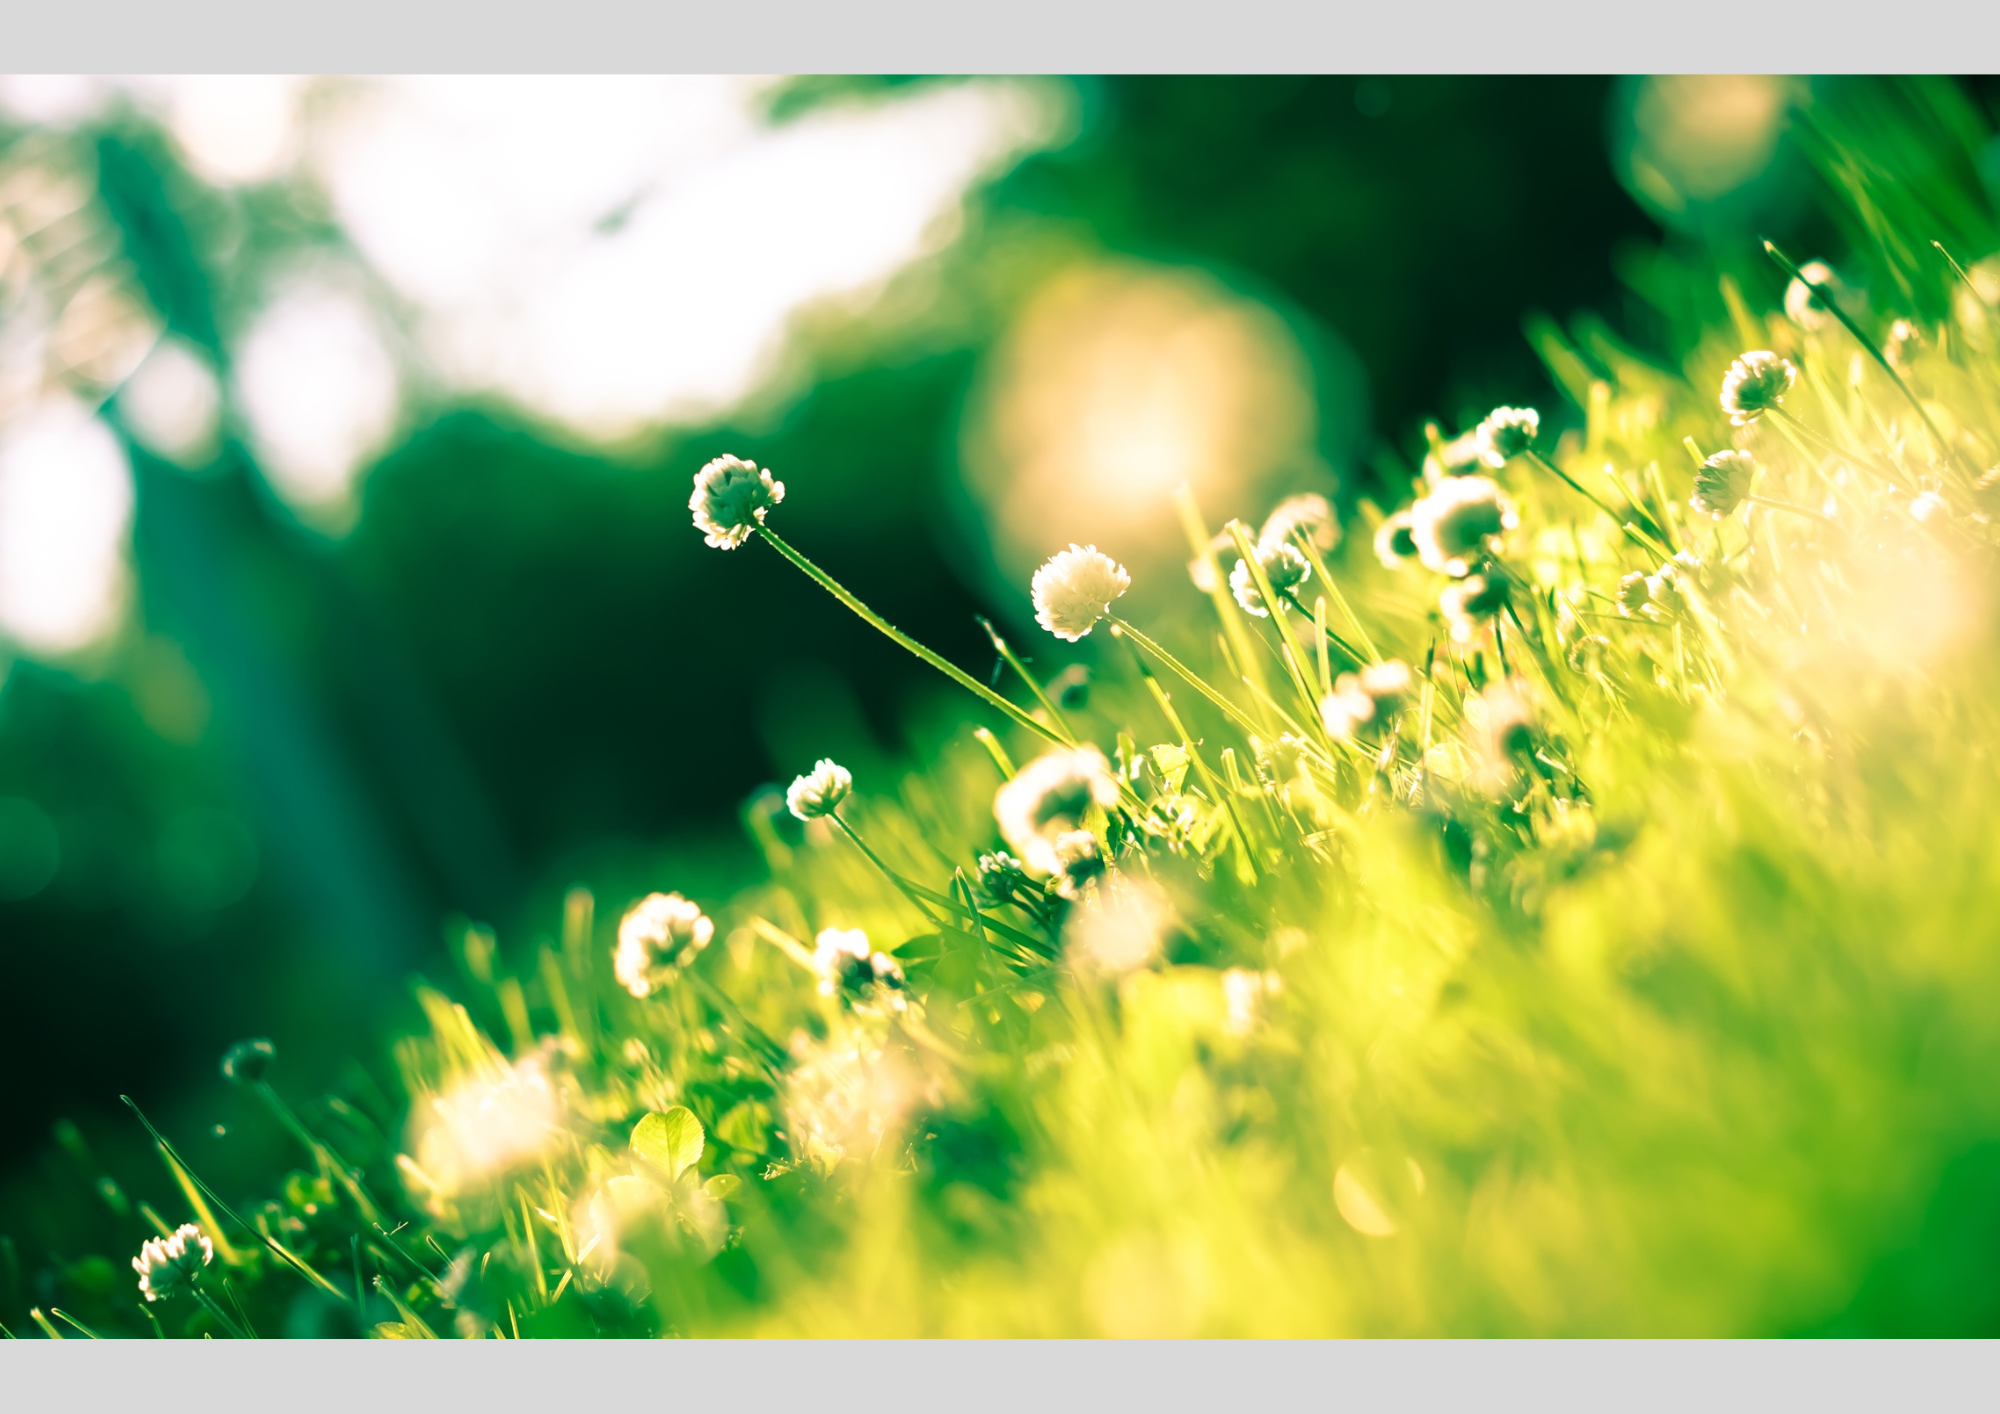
point(1562, 901)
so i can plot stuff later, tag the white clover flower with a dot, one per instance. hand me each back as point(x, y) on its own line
point(840, 956)
point(1243, 992)
point(1201, 569)
point(845, 1095)
point(1723, 483)
point(1459, 523)
point(1282, 564)
point(1634, 594)
point(1500, 722)
point(848, 966)
point(659, 935)
point(1048, 799)
point(1904, 340)
point(1367, 698)
point(1506, 433)
point(1395, 541)
point(172, 1264)
point(730, 499)
point(1756, 383)
point(1471, 603)
point(1458, 457)
point(1074, 589)
point(820, 790)
point(1310, 513)
point(1119, 928)
point(1930, 507)
point(1802, 306)
point(500, 1118)
point(1082, 862)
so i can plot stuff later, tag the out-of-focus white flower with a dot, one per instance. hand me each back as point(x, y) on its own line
point(731, 497)
point(1308, 512)
point(1471, 603)
point(1634, 594)
point(1396, 541)
point(1722, 483)
point(1499, 722)
point(172, 1264)
point(1459, 523)
point(1119, 926)
point(1244, 991)
point(1903, 340)
point(1049, 798)
point(1930, 507)
point(1282, 564)
point(1804, 307)
point(659, 935)
point(1367, 698)
point(819, 791)
point(845, 1096)
point(1458, 457)
point(1074, 589)
point(489, 1124)
point(1081, 860)
point(1756, 383)
point(1506, 433)
point(847, 966)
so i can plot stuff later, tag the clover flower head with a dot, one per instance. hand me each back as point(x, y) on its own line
point(1723, 483)
point(1756, 383)
point(1001, 876)
point(1500, 720)
point(1367, 698)
point(1081, 860)
point(247, 1062)
point(1803, 306)
point(849, 967)
point(1506, 433)
point(1459, 523)
point(1929, 507)
point(819, 791)
point(731, 497)
point(1396, 541)
point(1119, 928)
point(1458, 457)
point(1048, 798)
point(658, 936)
point(1665, 595)
point(1074, 589)
point(1470, 604)
point(1309, 513)
point(1283, 761)
point(1904, 339)
point(1244, 992)
point(1634, 593)
point(1282, 564)
point(497, 1119)
point(172, 1264)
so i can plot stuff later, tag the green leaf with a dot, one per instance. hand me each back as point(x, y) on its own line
point(670, 1142)
point(723, 1185)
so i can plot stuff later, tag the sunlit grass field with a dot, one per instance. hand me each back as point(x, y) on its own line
point(1558, 900)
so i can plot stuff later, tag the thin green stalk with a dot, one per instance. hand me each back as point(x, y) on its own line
point(1632, 531)
point(1294, 655)
point(1166, 705)
point(223, 1318)
point(887, 872)
point(1229, 709)
point(1833, 307)
point(970, 684)
point(1313, 558)
point(63, 1315)
point(1354, 655)
point(283, 1253)
point(1021, 671)
point(1795, 510)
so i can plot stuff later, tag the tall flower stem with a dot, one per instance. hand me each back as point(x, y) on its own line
point(969, 683)
point(1632, 532)
point(1832, 307)
point(1186, 674)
